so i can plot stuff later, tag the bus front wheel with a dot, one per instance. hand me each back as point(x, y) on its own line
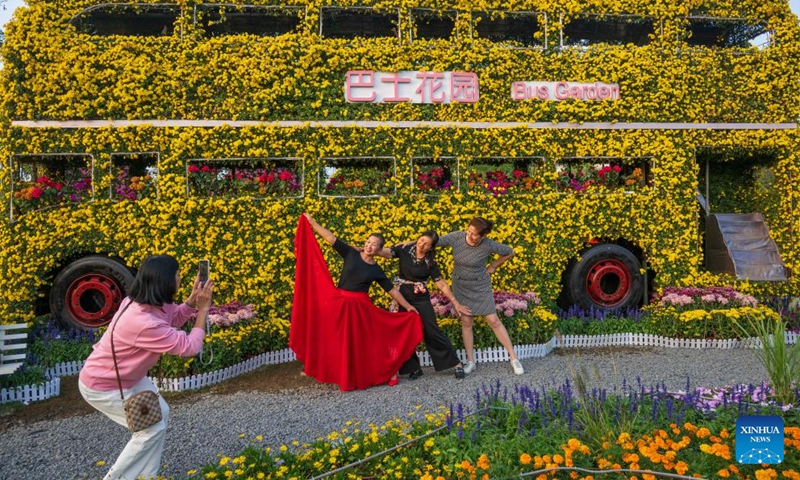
point(607, 276)
point(87, 293)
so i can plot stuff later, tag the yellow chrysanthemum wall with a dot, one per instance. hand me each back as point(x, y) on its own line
point(53, 73)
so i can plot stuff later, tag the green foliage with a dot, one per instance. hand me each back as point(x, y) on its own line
point(25, 375)
point(781, 361)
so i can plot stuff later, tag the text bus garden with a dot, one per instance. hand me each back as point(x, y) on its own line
point(203, 131)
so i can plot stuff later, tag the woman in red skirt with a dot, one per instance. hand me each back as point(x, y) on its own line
point(337, 332)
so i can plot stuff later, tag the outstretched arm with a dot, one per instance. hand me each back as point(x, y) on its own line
point(398, 297)
point(445, 288)
point(323, 232)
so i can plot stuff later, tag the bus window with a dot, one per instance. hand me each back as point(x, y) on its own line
point(434, 175)
point(134, 176)
point(603, 174)
point(357, 177)
point(49, 180)
point(245, 177)
point(144, 20)
point(591, 29)
point(516, 29)
point(507, 176)
point(261, 20)
point(352, 22)
point(430, 24)
point(726, 32)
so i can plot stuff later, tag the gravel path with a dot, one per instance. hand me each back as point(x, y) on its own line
point(208, 425)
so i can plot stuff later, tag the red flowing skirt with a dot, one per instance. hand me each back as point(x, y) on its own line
point(342, 337)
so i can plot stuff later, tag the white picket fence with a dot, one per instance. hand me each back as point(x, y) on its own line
point(217, 376)
point(31, 393)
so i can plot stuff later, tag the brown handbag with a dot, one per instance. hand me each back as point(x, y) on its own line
point(143, 409)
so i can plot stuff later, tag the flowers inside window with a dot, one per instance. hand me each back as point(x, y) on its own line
point(602, 175)
point(257, 178)
point(505, 175)
point(134, 176)
point(42, 181)
point(432, 176)
point(357, 177)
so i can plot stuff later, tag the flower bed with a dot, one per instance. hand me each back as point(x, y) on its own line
point(513, 430)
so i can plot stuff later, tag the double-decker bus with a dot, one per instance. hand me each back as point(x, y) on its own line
point(619, 146)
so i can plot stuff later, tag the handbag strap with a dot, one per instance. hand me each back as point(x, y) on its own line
point(114, 353)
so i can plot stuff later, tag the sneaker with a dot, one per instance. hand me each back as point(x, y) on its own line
point(415, 375)
point(517, 367)
point(459, 372)
point(469, 367)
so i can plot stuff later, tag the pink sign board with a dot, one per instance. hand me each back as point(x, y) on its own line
point(564, 91)
point(369, 86)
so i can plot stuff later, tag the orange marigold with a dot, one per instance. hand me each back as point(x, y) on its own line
point(525, 459)
point(681, 467)
point(767, 474)
point(724, 473)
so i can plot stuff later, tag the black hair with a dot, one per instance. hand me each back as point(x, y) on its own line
point(379, 236)
point(155, 281)
point(482, 226)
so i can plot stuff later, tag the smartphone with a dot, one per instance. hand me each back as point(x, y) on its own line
point(202, 269)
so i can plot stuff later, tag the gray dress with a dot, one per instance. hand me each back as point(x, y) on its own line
point(472, 286)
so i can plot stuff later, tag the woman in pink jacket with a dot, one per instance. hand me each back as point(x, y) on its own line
point(145, 327)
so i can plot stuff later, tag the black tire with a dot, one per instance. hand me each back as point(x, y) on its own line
point(87, 293)
point(607, 276)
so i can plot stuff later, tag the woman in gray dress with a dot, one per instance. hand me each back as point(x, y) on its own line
point(472, 283)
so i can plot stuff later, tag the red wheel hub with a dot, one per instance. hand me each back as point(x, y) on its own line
point(93, 299)
point(608, 283)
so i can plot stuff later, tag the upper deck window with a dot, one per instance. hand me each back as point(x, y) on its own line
point(513, 28)
point(726, 32)
point(137, 19)
point(612, 29)
point(430, 24)
point(352, 22)
point(264, 21)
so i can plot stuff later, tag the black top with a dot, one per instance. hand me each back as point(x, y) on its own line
point(412, 269)
point(358, 275)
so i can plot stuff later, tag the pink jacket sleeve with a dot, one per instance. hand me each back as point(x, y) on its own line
point(163, 338)
point(179, 314)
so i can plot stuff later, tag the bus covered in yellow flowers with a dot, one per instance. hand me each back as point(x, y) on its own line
point(619, 145)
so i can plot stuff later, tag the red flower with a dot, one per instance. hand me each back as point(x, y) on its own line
point(194, 169)
point(285, 175)
point(205, 168)
point(36, 192)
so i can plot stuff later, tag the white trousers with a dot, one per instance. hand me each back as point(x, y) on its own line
point(141, 457)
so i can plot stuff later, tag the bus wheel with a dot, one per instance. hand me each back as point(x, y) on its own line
point(87, 293)
point(607, 276)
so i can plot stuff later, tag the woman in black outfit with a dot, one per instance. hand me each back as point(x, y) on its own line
point(417, 265)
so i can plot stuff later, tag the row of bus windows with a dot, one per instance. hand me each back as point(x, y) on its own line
point(525, 29)
point(42, 181)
